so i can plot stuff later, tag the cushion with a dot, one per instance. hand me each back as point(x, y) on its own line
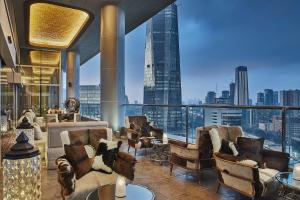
point(205, 145)
point(95, 136)
point(79, 136)
point(79, 159)
point(248, 162)
point(251, 148)
point(215, 139)
point(233, 149)
point(99, 165)
point(91, 152)
point(225, 147)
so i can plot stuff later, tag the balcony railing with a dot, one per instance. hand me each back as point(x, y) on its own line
point(279, 125)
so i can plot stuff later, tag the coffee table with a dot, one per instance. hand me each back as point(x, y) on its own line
point(160, 151)
point(290, 188)
point(133, 192)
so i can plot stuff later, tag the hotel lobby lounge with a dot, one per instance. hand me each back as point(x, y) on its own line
point(49, 150)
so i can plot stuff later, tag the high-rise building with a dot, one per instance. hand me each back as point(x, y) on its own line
point(90, 101)
point(275, 98)
point(290, 97)
point(260, 99)
point(269, 97)
point(231, 90)
point(162, 81)
point(210, 97)
point(225, 94)
point(241, 86)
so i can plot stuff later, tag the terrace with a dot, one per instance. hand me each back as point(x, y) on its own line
point(41, 51)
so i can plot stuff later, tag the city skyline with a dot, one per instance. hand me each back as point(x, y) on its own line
point(210, 50)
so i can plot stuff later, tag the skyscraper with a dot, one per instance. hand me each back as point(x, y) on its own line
point(210, 97)
point(275, 98)
point(162, 81)
point(231, 90)
point(269, 97)
point(241, 86)
point(260, 99)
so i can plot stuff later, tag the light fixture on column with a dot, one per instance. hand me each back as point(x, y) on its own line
point(27, 129)
point(22, 171)
point(3, 122)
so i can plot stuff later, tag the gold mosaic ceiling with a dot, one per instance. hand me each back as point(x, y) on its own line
point(55, 26)
point(44, 58)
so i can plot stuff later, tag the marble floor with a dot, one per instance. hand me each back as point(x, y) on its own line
point(182, 185)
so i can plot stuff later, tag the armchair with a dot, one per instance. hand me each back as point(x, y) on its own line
point(140, 132)
point(199, 156)
point(249, 179)
point(72, 188)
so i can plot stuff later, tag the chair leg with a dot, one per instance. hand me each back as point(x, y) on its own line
point(135, 152)
point(128, 148)
point(171, 169)
point(218, 187)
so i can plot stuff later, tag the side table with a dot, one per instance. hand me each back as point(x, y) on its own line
point(290, 188)
point(160, 151)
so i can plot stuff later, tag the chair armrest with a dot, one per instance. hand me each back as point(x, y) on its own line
point(66, 176)
point(276, 160)
point(178, 143)
point(124, 165)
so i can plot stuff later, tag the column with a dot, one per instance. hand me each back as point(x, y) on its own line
point(112, 75)
point(73, 78)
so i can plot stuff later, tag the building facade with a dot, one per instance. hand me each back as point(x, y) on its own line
point(241, 86)
point(90, 101)
point(162, 81)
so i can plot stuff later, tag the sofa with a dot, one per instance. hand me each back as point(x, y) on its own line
point(55, 147)
point(199, 156)
point(73, 187)
point(139, 132)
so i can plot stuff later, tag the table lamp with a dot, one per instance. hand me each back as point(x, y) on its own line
point(120, 187)
point(22, 171)
point(296, 172)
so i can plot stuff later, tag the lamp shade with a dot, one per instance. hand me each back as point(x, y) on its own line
point(27, 129)
point(120, 187)
point(22, 171)
point(296, 172)
point(3, 122)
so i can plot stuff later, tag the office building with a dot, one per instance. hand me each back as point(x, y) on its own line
point(241, 86)
point(210, 97)
point(162, 81)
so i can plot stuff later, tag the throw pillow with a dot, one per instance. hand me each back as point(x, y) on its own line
point(79, 159)
point(90, 151)
point(251, 148)
point(96, 135)
point(145, 129)
point(106, 155)
point(248, 162)
point(215, 139)
point(79, 136)
point(225, 147)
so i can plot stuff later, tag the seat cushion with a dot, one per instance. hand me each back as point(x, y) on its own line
point(215, 139)
point(267, 179)
point(90, 182)
point(80, 136)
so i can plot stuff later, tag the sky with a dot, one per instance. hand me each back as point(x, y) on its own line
point(215, 36)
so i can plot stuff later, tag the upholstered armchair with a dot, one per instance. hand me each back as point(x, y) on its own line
point(73, 188)
point(140, 132)
point(249, 179)
point(199, 156)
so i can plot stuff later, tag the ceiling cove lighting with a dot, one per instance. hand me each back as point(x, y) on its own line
point(44, 58)
point(55, 26)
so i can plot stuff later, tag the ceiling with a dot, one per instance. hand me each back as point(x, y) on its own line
point(88, 43)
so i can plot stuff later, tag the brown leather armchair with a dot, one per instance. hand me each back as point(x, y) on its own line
point(140, 132)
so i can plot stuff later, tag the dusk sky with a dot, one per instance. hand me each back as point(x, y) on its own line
point(215, 36)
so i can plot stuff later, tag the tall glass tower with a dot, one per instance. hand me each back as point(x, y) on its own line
point(162, 81)
point(241, 86)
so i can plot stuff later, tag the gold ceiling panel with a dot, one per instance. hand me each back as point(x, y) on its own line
point(55, 26)
point(44, 58)
point(43, 71)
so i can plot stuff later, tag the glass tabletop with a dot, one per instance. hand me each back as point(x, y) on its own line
point(286, 179)
point(133, 192)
